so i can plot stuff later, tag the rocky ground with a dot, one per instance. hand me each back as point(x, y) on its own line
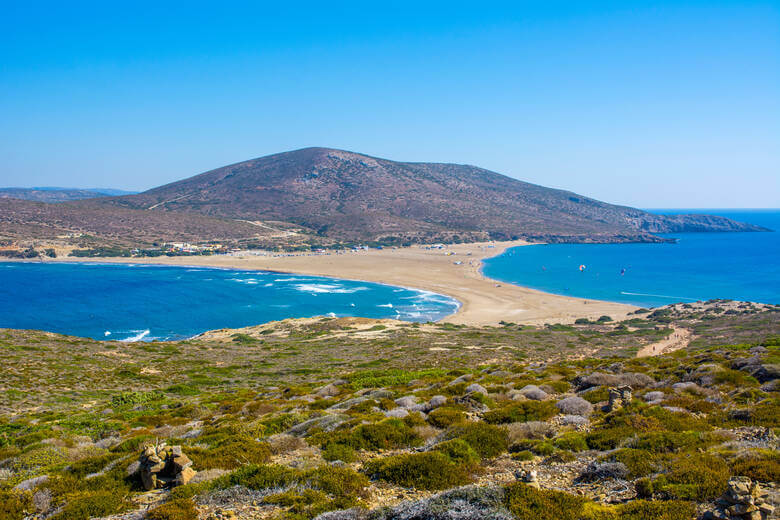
point(204, 432)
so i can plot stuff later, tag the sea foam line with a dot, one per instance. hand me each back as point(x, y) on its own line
point(660, 296)
point(137, 337)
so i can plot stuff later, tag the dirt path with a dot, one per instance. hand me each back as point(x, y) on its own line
point(677, 340)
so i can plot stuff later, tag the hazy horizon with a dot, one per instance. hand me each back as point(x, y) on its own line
point(663, 104)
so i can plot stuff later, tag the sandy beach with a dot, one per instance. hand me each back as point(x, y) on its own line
point(453, 271)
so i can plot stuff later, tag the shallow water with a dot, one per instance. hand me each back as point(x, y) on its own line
point(143, 302)
point(700, 266)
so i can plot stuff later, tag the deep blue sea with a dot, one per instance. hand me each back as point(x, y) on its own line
point(700, 266)
point(145, 302)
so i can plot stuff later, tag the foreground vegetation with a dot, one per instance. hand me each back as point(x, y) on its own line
point(354, 418)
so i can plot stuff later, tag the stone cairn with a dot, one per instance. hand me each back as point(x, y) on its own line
point(743, 500)
point(164, 466)
point(529, 477)
point(619, 397)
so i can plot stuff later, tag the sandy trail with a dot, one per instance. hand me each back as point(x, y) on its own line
point(677, 340)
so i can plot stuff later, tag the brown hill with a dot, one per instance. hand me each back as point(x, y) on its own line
point(21, 219)
point(350, 196)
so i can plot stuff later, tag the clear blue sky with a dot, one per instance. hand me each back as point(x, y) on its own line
point(662, 104)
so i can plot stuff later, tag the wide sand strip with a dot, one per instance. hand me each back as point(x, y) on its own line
point(483, 301)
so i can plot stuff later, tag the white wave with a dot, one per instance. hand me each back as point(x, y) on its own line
point(247, 281)
point(291, 279)
point(138, 337)
point(331, 315)
point(322, 288)
point(107, 333)
point(268, 285)
point(388, 305)
point(660, 296)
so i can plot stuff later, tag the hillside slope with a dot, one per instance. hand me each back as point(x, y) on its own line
point(22, 219)
point(351, 196)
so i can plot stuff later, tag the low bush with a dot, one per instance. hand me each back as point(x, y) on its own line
point(86, 505)
point(762, 466)
point(638, 462)
point(459, 452)
point(384, 435)
point(669, 441)
point(571, 441)
point(335, 481)
point(699, 477)
point(230, 454)
point(666, 510)
point(445, 417)
point(522, 412)
point(178, 509)
point(342, 452)
point(427, 470)
point(487, 440)
point(15, 505)
point(528, 503)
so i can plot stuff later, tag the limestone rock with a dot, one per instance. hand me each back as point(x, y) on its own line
point(476, 388)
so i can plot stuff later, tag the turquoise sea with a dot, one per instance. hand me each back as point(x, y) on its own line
point(700, 266)
point(145, 302)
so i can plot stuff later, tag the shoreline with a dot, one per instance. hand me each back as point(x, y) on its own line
point(454, 271)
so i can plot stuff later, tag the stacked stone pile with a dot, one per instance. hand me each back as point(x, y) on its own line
point(743, 500)
point(619, 397)
point(164, 466)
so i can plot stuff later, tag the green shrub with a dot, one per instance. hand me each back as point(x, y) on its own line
point(445, 417)
point(666, 510)
point(459, 452)
point(487, 440)
point(699, 477)
point(644, 487)
point(559, 457)
point(342, 452)
point(428, 470)
point(339, 482)
point(596, 396)
point(178, 509)
point(15, 505)
point(522, 412)
point(335, 481)
point(669, 441)
point(230, 454)
point(134, 398)
point(559, 386)
point(764, 467)
point(256, 476)
point(523, 455)
point(638, 462)
point(735, 377)
point(528, 503)
point(86, 505)
point(571, 441)
point(387, 434)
